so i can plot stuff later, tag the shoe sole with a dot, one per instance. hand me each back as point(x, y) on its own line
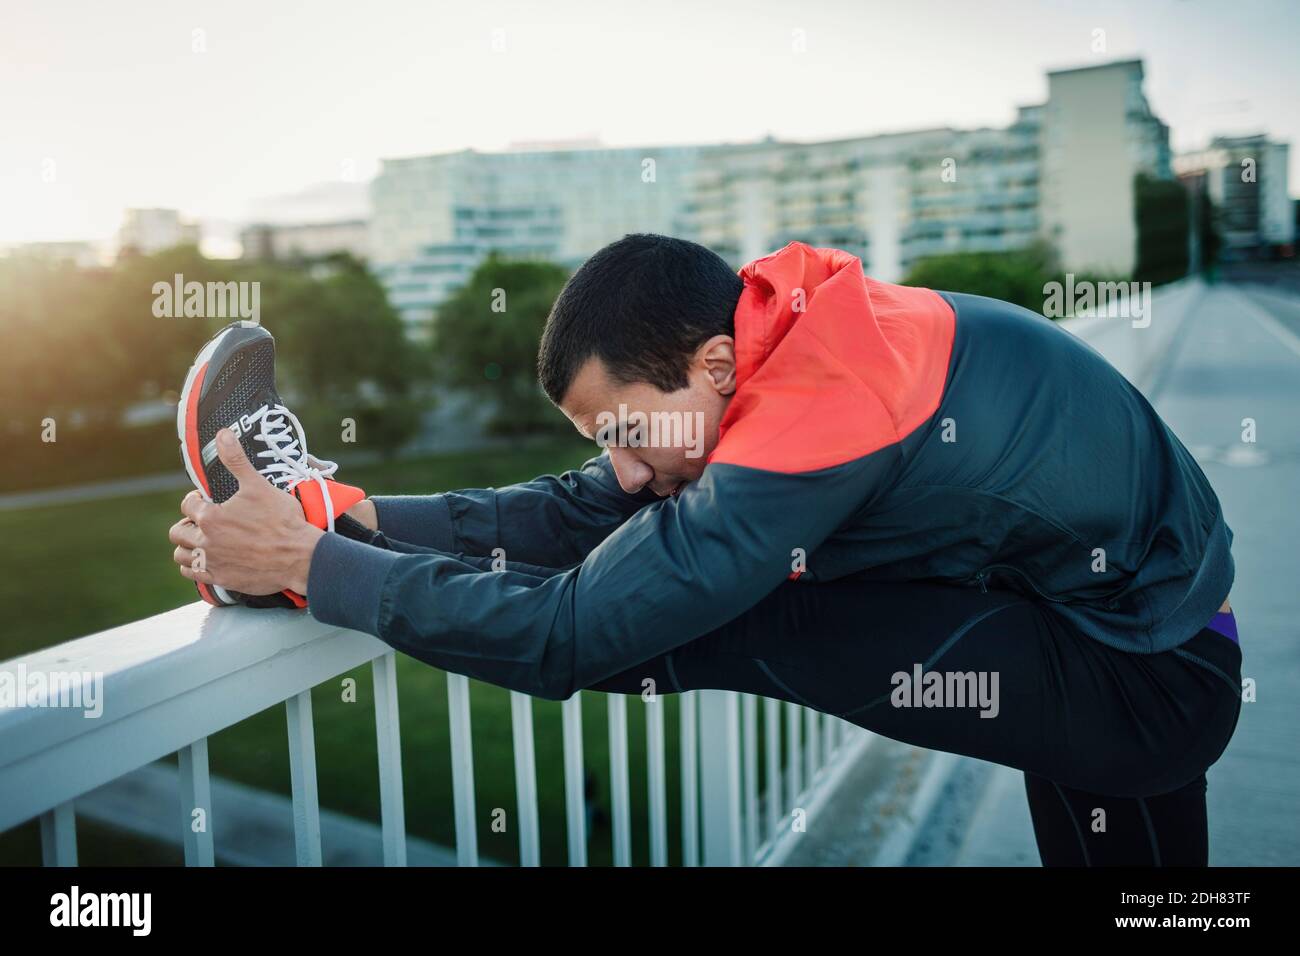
point(187, 415)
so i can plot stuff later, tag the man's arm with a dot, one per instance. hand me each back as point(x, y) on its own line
point(671, 572)
point(554, 520)
point(357, 531)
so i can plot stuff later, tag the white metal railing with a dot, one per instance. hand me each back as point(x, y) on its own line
point(171, 681)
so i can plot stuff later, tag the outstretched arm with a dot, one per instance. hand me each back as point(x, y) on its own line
point(674, 570)
point(554, 520)
point(671, 572)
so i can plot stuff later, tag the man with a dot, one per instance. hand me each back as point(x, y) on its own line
point(890, 480)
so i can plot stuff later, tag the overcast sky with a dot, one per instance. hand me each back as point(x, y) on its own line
point(114, 103)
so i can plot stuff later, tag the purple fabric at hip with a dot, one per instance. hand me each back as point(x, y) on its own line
point(1225, 624)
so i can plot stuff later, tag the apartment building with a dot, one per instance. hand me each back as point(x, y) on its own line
point(1246, 179)
point(1063, 171)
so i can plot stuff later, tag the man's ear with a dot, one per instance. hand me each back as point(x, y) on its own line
point(718, 358)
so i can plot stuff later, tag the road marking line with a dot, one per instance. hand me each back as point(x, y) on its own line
point(1280, 331)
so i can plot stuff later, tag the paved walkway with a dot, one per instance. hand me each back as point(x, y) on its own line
point(250, 827)
point(177, 480)
point(95, 491)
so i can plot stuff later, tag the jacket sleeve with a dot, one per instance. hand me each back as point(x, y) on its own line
point(671, 572)
point(349, 527)
point(554, 520)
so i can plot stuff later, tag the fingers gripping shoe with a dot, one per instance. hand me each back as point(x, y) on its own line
point(232, 384)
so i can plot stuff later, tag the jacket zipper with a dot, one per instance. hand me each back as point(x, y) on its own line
point(1026, 578)
point(1108, 602)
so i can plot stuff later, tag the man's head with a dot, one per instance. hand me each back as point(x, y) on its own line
point(639, 353)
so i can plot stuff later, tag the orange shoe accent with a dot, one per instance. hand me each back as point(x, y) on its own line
point(205, 592)
point(308, 493)
point(192, 432)
point(309, 496)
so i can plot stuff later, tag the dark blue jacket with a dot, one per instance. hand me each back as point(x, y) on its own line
point(877, 431)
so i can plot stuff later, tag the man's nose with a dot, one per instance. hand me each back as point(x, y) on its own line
point(633, 474)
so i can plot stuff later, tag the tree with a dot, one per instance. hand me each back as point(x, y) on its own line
point(1162, 218)
point(1209, 238)
point(81, 346)
point(345, 355)
point(486, 337)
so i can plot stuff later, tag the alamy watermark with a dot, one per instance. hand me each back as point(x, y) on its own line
point(207, 300)
point(946, 689)
point(651, 430)
point(78, 690)
point(1126, 300)
point(128, 910)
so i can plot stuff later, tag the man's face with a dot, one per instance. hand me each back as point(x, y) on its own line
point(656, 439)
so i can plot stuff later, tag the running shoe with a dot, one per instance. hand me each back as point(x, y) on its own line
point(232, 384)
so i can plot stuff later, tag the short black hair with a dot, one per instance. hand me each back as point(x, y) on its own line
point(642, 305)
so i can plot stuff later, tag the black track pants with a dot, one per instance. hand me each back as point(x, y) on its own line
point(1114, 745)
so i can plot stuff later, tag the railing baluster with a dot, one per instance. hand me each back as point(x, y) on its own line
point(575, 784)
point(462, 769)
point(793, 759)
point(772, 746)
point(720, 777)
point(656, 783)
point(59, 836)
point(196, 795)
point(618, 780)
point(690, 769)
point(521, 722)
point(813, 749)
point(749, 737)
point(388, 741)
point(302, 774)
point(828, 738)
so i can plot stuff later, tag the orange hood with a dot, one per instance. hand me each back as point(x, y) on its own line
point(831, 365)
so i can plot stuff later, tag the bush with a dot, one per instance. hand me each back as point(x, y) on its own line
point(1019, 277)
point(1016, 277)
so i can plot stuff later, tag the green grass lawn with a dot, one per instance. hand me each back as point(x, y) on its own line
point(75, 569)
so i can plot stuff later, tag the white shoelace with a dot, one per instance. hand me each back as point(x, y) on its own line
point(290, 464)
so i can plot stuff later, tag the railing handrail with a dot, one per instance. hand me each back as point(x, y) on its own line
point(150, 668)
point(172, 680)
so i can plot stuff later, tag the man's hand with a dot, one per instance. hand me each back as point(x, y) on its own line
point(257, 542)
